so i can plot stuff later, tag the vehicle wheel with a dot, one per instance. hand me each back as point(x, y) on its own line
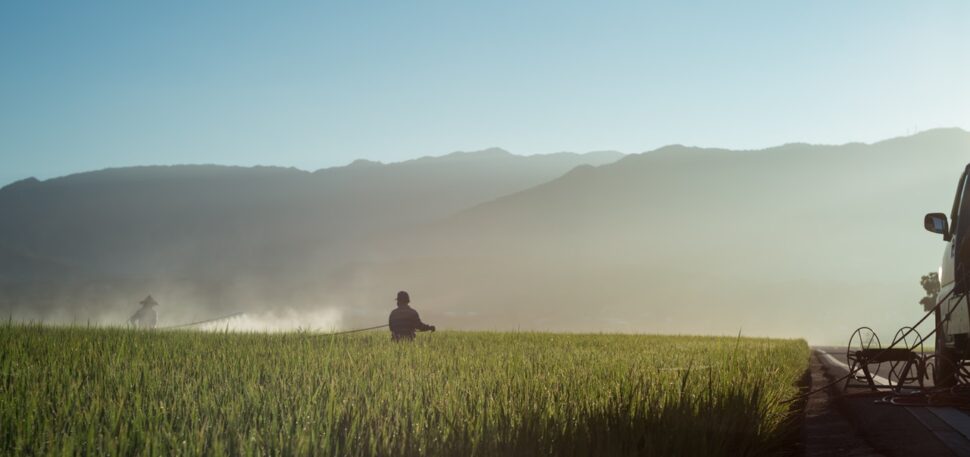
point(941, 368)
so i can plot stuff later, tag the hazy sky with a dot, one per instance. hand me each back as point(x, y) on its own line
point(88, 85)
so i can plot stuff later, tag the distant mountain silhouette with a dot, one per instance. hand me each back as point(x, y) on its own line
point(210, 220)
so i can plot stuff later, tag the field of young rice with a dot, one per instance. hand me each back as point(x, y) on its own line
point(123, 392)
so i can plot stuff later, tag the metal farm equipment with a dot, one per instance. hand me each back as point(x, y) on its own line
point(911, 368)
point(908, 365)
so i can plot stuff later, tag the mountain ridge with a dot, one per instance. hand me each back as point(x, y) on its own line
point(484, 154)
point(150, 212)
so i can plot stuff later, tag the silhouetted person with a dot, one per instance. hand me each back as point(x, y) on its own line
point(404, 320)
point(145, 317)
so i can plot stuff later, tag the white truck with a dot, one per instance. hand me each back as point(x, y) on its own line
point(953, 317)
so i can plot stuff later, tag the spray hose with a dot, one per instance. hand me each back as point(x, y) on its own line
point(207, 321)
point(357, 330)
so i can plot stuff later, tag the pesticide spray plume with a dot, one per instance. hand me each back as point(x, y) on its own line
point(282, 320)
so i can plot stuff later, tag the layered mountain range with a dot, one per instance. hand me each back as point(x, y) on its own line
point(798, 240)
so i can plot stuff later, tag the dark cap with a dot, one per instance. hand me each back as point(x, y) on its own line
point(148, 301)
point(402, 295)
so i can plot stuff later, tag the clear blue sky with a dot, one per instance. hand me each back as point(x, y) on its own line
point(88, 85)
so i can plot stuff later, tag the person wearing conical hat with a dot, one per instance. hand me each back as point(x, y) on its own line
point(146, 316)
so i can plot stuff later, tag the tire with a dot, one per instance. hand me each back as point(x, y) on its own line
point(945, 373)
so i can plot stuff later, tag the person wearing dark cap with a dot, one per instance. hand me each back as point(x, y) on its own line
point(146, 316)
point(404, 320)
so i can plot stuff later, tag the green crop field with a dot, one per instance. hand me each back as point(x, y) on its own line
point(70, 390)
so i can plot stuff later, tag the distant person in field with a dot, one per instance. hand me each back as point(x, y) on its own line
point(145, 317)
point(404, 320)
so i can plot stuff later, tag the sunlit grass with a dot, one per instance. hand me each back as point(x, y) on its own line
point(122, 392)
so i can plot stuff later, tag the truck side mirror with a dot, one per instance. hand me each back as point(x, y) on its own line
point(936, 223)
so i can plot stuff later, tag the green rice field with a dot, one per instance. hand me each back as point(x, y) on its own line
point(97, 391)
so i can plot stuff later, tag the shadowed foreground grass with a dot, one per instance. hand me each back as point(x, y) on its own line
point(125, 392)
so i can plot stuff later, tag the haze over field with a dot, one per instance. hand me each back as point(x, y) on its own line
point(797, 240)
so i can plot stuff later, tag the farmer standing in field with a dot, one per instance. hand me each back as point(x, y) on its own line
point(404, 320)
point(146, 316)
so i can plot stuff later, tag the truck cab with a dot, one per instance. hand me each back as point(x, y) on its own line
point(953, 316)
